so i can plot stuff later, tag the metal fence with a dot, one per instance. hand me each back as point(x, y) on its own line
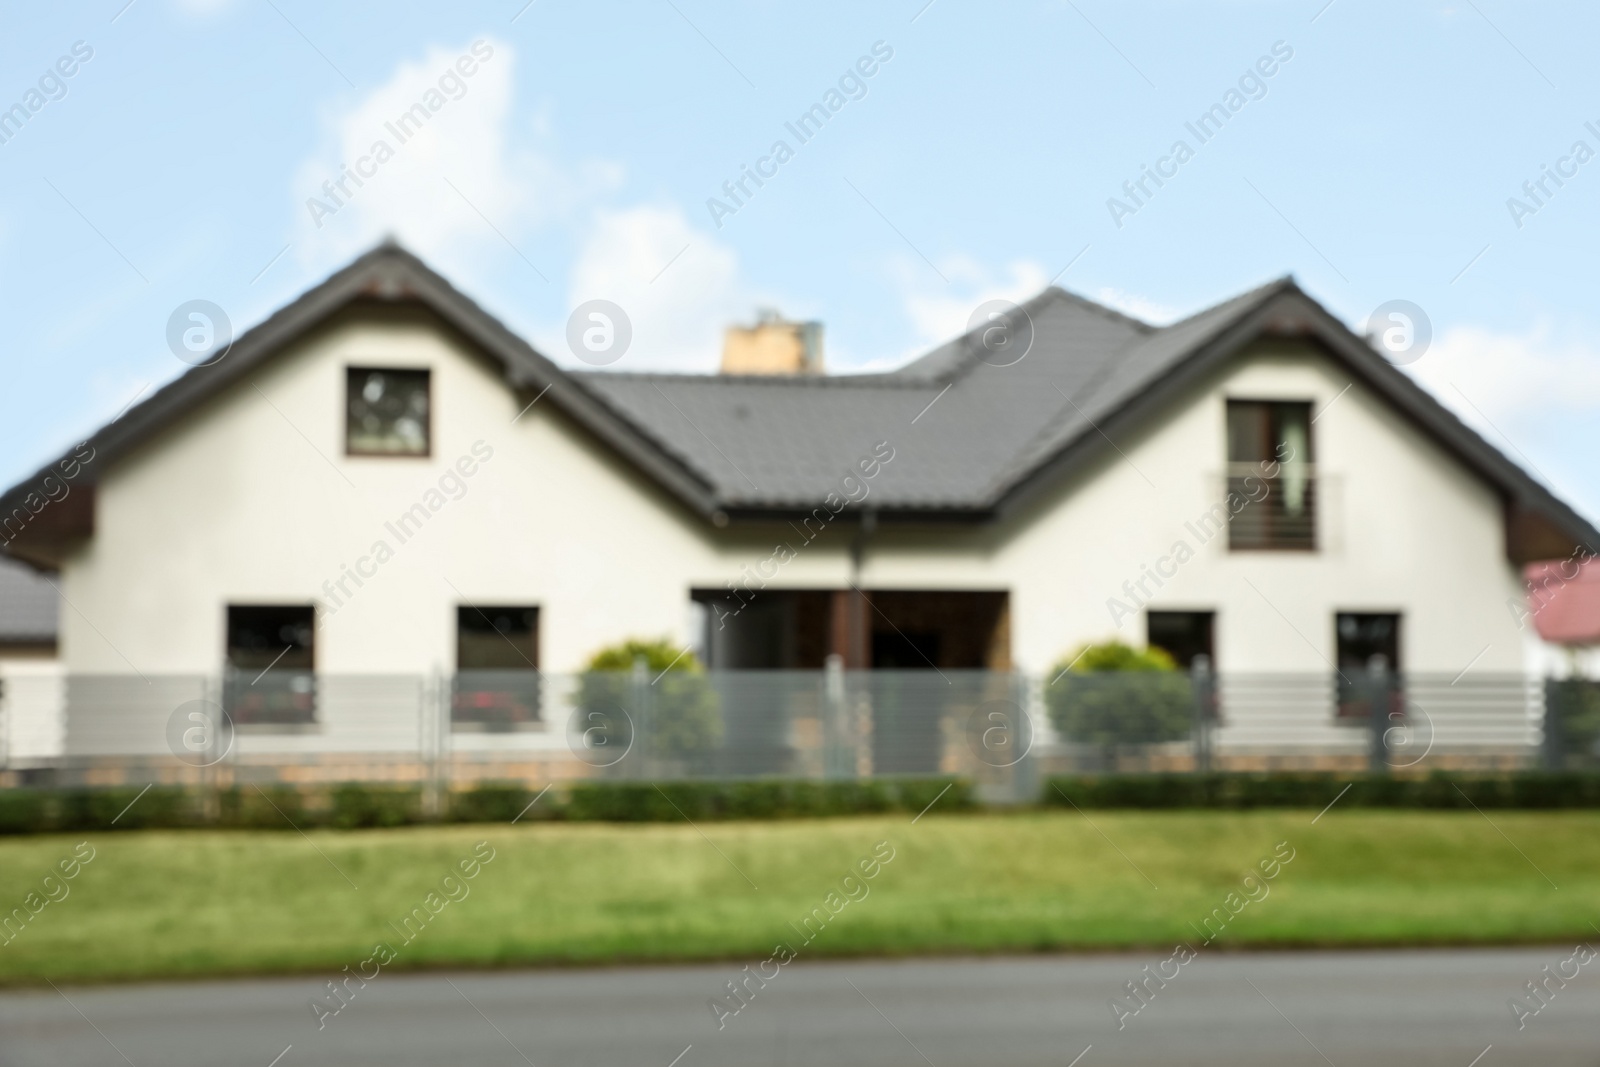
point(1002, 730)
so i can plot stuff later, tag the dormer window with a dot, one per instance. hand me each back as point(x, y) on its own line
point(1272, 484)
point(387, 412)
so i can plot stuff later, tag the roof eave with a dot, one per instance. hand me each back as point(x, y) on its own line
point(387, 274)
point(1304, 318)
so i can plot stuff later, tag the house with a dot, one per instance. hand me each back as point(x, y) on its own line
point(383, 479)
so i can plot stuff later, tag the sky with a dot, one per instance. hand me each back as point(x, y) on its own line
point(1394, 152)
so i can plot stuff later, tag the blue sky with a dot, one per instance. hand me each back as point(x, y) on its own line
point(576, 162)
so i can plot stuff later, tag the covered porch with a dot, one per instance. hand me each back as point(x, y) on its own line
point(800, 629)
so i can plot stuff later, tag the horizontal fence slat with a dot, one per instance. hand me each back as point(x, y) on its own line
point(1000, 729)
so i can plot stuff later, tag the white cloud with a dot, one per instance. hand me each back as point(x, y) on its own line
point(473, 140)
point(466, 139)
point(679, 285)
point(939, 311)
point(1509, 377)
point(1141, 308)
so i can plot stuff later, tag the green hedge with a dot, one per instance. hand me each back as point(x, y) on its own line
point(1523, 789)
point(766, 799)
point(355, 806)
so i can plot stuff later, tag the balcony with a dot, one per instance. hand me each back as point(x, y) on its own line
point(1272, 513)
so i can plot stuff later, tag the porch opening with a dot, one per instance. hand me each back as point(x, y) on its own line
point(798, 629)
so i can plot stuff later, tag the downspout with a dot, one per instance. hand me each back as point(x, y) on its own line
point(858, 607)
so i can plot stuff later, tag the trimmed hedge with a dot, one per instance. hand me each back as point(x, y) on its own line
point(355, 806)
point(765, 799)
point(492, 802)
point(1523, 789)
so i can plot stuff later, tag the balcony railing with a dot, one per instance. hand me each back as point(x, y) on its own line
point(1278, 512)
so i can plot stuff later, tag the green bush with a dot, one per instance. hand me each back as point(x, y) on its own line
point(916, 794)
point(1524, 789)
point(1573, 705)
point(618, 802)
point(675, 711)
point(492, 802)
point(353, 806)
point(844, 798)
point(760, 799)
point(270, 807)
point(109, 809)
point(25, 811)
point(360, 806)
point(1111, 694)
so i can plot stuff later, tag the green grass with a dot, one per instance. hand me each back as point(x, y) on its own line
point(187, 903)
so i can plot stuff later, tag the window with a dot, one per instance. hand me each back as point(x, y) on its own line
point(497, 639)
point(1360, 639)
point(1272, 488)
point(497, 682)
point(271, 659)
point(1183, 635)
point(386, 412)
point(275, 637)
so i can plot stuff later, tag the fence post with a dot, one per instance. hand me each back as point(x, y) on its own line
point(834, 732)
point(1024, 776)
point(639, 684)
point(5, 727)
point(1376, 684)
point(1204, 686)
point(443, 735)
point(1554, 743)
point(215, 691)
point(434, 696)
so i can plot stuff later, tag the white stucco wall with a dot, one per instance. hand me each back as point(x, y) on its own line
point(1403, 528)
point(234, 505)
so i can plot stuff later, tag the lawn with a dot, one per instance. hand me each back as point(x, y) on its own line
point(187, 903)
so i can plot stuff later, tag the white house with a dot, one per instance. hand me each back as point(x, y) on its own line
point(381, 478)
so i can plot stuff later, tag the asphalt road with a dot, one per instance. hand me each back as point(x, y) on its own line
point(1344, 1008)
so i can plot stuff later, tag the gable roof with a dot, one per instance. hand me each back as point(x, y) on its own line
point(972, 440)
point(386, 275)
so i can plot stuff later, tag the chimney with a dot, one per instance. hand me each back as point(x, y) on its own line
point(773, 346)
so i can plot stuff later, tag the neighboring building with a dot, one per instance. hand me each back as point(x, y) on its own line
point(381, 478)
point(30, 682)
point(27, 614)
point(1564, 607)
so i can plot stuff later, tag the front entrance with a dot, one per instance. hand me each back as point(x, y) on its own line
point(923, 651)
point(798, 629)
